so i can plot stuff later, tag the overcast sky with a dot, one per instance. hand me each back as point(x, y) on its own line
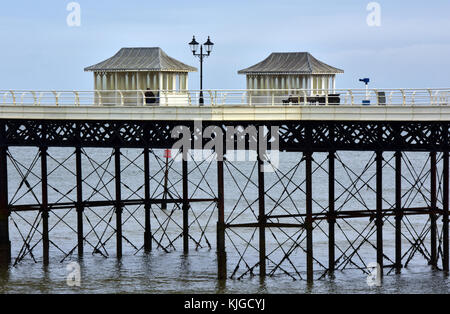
point(411, 48)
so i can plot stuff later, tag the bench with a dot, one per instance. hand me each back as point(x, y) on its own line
point(333, 99)
point(293, 100)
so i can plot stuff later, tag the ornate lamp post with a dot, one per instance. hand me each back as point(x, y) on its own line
point(194, 47)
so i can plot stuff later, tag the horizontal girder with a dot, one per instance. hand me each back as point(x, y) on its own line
point(294, 136)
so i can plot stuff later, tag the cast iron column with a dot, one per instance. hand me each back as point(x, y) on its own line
point(80, 207)
point(148, 231)
point(309, 220)
point(185, 203)
point(119, 208)
point(331, 212)
point(262, 217)
point(5, 244)
point(445, 256)
point(221, 253)
point(44, 206)
point(398, 211)
point(379, 210)
point(433, 219)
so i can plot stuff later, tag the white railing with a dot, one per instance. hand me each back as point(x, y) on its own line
point(348, 97)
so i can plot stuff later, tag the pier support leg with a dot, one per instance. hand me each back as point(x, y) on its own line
point(398, 211)
point(44, 208)
point(185, 203)
point(5, 244)
point(261, 218)
point(331, 212)
point(148, 230)
point(433, 219)
point(309, 221)
point(379, 209)
point(221, 253)
point(445, 256)
point(80, 207)
point(119, 208)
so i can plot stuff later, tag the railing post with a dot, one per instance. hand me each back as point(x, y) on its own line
point(436, 99)
point(77, 99)
point(56, 98)
point(122, 100)
point(34, 98)
point(21, 99)
point(13, 97)
point(143, 97)
point(40, 98)
point(211, 95)
point(100, 101)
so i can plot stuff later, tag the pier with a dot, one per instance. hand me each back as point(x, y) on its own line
point(311, 124)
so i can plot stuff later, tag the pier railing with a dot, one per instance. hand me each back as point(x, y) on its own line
point(348, 97)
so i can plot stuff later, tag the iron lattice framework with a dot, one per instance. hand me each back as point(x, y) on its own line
point(320, 136)
point(282, 214)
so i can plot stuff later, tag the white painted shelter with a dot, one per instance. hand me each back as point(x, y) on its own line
point(132, 71)
point(291, 71)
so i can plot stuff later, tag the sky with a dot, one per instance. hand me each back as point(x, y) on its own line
point(410, 48)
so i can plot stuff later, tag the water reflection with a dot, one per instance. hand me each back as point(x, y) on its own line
point(175, 273)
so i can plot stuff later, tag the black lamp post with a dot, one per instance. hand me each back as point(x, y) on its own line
point(194, 47)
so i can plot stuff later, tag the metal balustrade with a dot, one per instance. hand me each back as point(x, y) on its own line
point(343, 97)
